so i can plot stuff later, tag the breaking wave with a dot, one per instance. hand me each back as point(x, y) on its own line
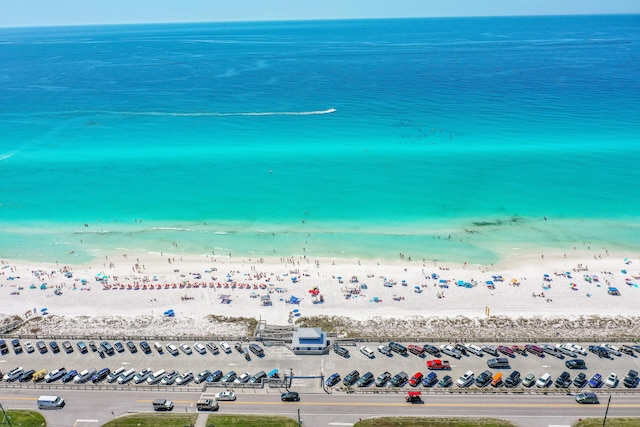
point(218, 114)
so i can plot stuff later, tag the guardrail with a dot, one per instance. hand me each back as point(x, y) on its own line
point(489, 390)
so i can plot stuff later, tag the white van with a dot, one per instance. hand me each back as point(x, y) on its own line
point(225, 347)
point(113, 376)
point(158, 347)
point(156, 377)
point(126, 376)
point(472, 348)
point(50, 402)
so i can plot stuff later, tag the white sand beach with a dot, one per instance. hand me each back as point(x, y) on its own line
point(130, 292)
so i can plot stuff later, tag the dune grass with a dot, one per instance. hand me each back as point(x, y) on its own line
point(219, 420)
point(433, 422)
point(23, 418)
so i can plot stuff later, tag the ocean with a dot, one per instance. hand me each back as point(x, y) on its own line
point(462, 139)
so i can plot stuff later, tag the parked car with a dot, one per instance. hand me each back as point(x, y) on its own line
point(351, 378)
point(498, 363)
point(612, 349)
point(437, 365)
point(534, 349)
point(69, 376)
point(562, 348)
point(490, 349)
point(54, 347)
point(55, 375)
point(450, 351)
point(215, 376)
point(238, 347)
point(82, 347)
point(107, 348)
point(399, 380)
point(132, 347)
point(290, 396)
point(587, 398)
point(432, 350)
point(465, 379)
point(580, 380)
point(631, 379)
point(595, 381)
point(416, 379)
point(367, 352)
point(27, 376)
point(365, 380)
point(142, 376)
point(113, 376)
point(3, 347)
point(612, 380)
point(576, 348)
point(28, 347)
point(341, 350)
point(202, 376)
point(563, 380)
point(243, 378)
point(256, 349)
point(383, 379)
point(68, 348)
point(333, 379)
point(185, 349)
point(185, 378)
point(229, 377)
point(146, 348)
point(507, 351)
point(416, 349)
point(513, 379)
point(461, 348)
point(529, 380)
point(472, 348)
point(384, 349)
point(430, 379)
point(484, 378)
point(118, 346)
point(225, 347)
point(17, 347)
point(575, 364)
point(100, 375)
point(225, 395)
point(213, 348)
point(445, 382)
point(170, 378)
point(398, 348)
point(92, 346)
point(172, 349)
point(551, 350)
point(544, 381)
point(13, 374)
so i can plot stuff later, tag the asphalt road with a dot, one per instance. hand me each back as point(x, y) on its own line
point(319, 409)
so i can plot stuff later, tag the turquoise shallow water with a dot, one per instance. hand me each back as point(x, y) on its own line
point(438, 138)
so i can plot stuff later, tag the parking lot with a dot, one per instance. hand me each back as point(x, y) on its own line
point(282, 358)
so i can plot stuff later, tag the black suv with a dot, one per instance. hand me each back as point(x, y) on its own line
point(564, 380)
point(575, 364)
point(513, 379)
point(383, 379)
point(146, 348)
point(398, 348)
point(3, 347)
point(82, 347)
point(290, 396)
point(42, 347)
point(132, 347)
point(351, 378)
point(341, 350)
point(17, 348)
point(54, 347)
point(68, 348)
point(433, 350)
point(256, 349)
point(399, 379)
point(631, 379)
point(484, 378)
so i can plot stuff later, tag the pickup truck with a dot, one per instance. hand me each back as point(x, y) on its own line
point(438, 364)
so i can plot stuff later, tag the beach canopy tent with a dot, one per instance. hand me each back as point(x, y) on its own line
point(293, 300)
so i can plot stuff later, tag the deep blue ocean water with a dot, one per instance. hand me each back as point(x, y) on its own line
point(462, 139)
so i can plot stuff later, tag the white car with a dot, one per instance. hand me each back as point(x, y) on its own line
point(200, 348)
point(172, 349)
point(451, 351)
point(384, 349)
point(544, 381)
point(28, 347)
point(465, 380)
point(13, 374)
point(367, 352)
point(142, 376)
point(612, 380)
point(612, 348)
point(243, 378)
point(184, 378)
point(576, 348)
point(185, 349)
point(225, 347)
point(226, 395)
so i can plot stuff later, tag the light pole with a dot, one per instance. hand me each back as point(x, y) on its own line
point(604, 421)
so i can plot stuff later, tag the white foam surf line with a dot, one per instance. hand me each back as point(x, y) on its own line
point(206, 114)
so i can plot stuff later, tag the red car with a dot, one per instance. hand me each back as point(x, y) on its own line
point(416, 349)
point(416, 379)
point(505, 350)
point(438, 364)
point(518, 349)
